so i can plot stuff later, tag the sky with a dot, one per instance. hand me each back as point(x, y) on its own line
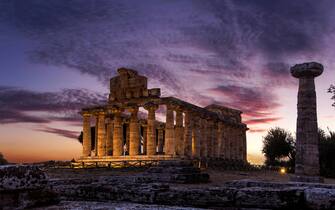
point(58, 56)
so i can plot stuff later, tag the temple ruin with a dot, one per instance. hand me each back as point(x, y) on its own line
point(189, 131)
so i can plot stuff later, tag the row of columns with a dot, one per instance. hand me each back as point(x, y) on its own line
point(188, 135)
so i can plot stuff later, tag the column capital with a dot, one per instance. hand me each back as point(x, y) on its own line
point(311, 69)
point(116, 110)
point(86, 114)
point(151, 106)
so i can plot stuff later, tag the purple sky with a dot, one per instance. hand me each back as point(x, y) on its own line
point(58, 56)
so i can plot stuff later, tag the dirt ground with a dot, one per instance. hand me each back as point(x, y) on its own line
point(217, 178)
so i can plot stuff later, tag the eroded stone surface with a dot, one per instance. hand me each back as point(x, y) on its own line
point(18, 177)
point(24, 186)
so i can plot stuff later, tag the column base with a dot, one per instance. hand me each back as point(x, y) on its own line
point(304, 178)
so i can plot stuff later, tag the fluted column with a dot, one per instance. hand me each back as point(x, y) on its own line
point(134, 141)
point(145, 139)
point(210, 125)
point(203, 143)
point(179, 132)
point(219, 139)
point(151, 129)
point(96, 135)
point(127, 140)
point(188, 134)
point(160, 140)
point(196, 137)
point(244, 143)
point(109, 136)
point(101, 134)
point(233, 143)
point(223, 141)
point(228, 148)
point(215, 140)
point(169, 146)
point(118, 133)
point(86, 134)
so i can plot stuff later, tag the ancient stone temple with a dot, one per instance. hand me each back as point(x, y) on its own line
point(127, 127)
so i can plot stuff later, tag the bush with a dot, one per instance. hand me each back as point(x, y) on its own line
point(3, 161)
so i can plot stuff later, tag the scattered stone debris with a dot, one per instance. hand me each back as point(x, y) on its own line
point(24, 186)
point(136, 192)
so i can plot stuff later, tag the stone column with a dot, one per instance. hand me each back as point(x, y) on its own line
point(134, 138)
point(307, 143)
point(210, 125)
point(96, 135)
point(169, 146)
point(151, 129)
point(244, 145)
point(160, 140)
point(215, 140)
point(127, 137)
point(86, 134)
point(188, 134)
point(118, 133)
point(101, 134)
point(234, 143)
point(228, 143)
point(223, 141)
point(196, 137)
point(219, 139)
point(145, 139)
point(179, 132)
point(203, 143)
point(109, 136)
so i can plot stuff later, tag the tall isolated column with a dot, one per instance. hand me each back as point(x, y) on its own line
point(307, 145)
point(179, 132)
point(101, 134)
point(151, 129)
point(117, 133)
point(86, 134)
point(188, 134)
point(134, 129)
point(169, 132)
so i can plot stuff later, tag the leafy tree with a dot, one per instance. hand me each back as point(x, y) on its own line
point(3, 161)
point(80, 137)
point(327, 151)
point(279, 148)
point(332, 91)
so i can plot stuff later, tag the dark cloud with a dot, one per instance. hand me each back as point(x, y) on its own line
point(262, 120)
point(19, 105)
point(167, 42)
point(277, 74)
point(60, 132)
point(257, 104)
point(10, 116)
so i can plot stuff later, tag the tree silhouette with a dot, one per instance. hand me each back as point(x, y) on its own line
point(3, 161)
point(80, 137)
point(278, 147)
point(332, 91)
point(327, 151)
